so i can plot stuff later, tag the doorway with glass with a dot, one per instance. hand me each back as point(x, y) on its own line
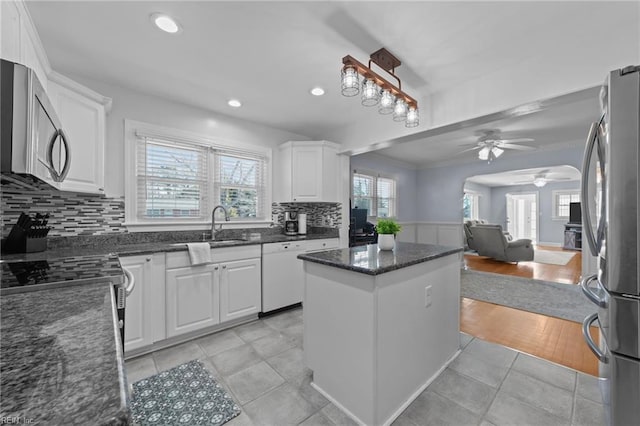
point(522, 215)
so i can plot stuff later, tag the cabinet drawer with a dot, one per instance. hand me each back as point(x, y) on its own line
point(180, 259)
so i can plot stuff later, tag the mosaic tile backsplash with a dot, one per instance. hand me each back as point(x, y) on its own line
point(318, 214)
point(70, 213)
point(75, 214)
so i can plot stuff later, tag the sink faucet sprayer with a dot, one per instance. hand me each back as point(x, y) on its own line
point(213, 220)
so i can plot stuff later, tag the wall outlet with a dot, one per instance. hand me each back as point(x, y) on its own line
point(427, 296)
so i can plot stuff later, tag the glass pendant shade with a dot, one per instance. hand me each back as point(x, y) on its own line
point(370, 93)
point(413, 118)
point(400, 110)
point(483, 154)
point(350, 81)
point(387, 102)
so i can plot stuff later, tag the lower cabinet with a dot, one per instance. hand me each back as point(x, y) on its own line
point(201, 296)
point(239, 289)
point(144, 312)
point(192, 298)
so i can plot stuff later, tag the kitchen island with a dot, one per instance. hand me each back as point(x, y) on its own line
point(379, 326)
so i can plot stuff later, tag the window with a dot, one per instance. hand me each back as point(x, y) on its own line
point(561, 201)
point(179, 180)
point(470, 205)
point(375, 193)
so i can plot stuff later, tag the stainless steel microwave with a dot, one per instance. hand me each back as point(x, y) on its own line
point(32, 140)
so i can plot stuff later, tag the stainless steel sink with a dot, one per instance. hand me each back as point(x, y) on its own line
point(212, 242)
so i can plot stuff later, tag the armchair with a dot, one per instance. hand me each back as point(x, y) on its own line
point(489, 240)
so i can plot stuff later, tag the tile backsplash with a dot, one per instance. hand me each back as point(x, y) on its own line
point(318, 214)
point(71, 213)
point(76, 214)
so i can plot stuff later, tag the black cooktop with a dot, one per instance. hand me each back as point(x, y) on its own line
point(32, 275)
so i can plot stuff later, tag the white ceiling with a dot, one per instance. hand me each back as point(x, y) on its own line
point(269, 54)
point(526, 176)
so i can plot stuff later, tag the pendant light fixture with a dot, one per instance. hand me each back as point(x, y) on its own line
point(378, 91)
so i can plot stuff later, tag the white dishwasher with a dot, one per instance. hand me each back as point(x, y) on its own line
point(283, 272)
point(282, 275)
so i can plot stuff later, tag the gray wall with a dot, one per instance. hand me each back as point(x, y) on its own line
point(406, 181)
point(439, 189)
point(550, 231)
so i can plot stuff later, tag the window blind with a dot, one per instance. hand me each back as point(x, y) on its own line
point(239, 182)
point(172, 179)
point(377, 194)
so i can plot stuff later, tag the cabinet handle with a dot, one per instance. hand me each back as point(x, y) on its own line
point(120, 323)
point(215, 269)
point(224, 266)
point(101, 189)
point(148, 259)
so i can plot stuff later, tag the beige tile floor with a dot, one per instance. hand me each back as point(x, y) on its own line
point(260, 364)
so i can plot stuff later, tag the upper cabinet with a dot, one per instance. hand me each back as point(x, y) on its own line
point(308, 172)
point(83, 115)
point(19, 41)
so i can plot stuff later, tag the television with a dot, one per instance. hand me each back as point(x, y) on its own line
point(575, 213)
point(358, 219)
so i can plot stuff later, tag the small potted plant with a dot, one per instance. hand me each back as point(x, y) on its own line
point(387, 230)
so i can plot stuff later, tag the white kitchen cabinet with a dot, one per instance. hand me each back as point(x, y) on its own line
point(82, 113)
point(20, 42)
point(200, 296)
point(144, 312)
point(192, 299)
point(239, 288)
point(308, 172)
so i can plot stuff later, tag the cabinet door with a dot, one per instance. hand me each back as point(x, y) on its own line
point(138, 328)
point(192, 299)
point(306, 173)
point(239, 289)
point(83, 121)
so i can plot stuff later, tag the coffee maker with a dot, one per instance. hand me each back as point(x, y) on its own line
point(291, 223)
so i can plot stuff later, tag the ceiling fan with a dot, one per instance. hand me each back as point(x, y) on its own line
point(491, 145)
point(540, 178)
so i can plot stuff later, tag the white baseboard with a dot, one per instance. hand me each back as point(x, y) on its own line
point(541, 243)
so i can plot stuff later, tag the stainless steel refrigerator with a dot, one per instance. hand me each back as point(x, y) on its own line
point(610, 197)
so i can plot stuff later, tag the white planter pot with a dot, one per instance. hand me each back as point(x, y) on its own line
point(386, 241)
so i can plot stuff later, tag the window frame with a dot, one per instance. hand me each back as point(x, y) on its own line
point(393, 204)
point(554, 202)
point(475, 205)
point(135, 129)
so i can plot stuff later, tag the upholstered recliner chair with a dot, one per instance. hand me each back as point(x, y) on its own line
point(467, 231)
point(489, 240)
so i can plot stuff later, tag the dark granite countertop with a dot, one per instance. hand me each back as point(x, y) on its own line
point(59, 362)
point(148, 247)
point(371, 261)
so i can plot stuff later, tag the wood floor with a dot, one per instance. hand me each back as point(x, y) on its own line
point(551, 338)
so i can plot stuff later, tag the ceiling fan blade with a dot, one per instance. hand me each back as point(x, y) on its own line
point(517, 140)
point(517, 147)
point(470, 149)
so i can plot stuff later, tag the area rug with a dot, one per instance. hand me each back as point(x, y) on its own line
point(186, 394)
point(552, 257)
point(564, 301)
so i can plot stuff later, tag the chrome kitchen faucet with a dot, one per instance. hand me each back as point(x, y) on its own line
point(213, 220)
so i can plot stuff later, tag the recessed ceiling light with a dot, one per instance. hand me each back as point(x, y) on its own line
point(317, 91)
point(165, 23)
point(234, 103)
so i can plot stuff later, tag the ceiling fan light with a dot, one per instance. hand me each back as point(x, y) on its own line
point(497, 152)
point(370, 93)
point(539, 182)
point(387, 102)
point(400, 110)
point(483, 154)
point(413, 118)
point(350, 81)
